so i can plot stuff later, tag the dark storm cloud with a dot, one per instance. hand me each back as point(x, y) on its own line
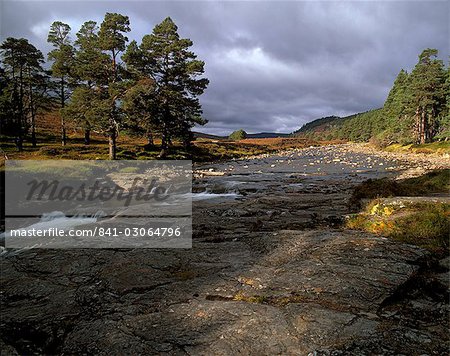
point(272, 65)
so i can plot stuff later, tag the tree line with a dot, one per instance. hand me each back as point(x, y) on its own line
point(103, 83)
point(417, 110)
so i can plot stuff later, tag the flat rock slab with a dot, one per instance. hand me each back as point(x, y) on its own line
point(285, 292)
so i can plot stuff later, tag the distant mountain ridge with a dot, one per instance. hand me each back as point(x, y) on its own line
point(208, 136)
point(317, 124)
point(416, 110)
point(254, 135)
point(357, 127)
point(268, 135)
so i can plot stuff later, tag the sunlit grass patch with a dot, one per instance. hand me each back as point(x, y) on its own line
point(426, 224)
point(428, 227)
point(439, 147)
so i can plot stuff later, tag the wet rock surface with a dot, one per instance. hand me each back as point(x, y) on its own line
point(270, 272)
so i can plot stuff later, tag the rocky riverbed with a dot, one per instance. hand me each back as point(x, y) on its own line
point(271, 272)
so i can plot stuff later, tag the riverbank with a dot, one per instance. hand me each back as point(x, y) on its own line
point(129, 148)
point(419, 162)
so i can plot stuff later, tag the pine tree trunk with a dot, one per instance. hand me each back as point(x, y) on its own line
point(112, 144)
point(20, 118)
point(150, 142)
point(164, 145)
point(63, 132)
point(33, 118)
point(63, 123)
point(114, 65)
point(187, 144)
point(19, 143)
point(187, 141)
point(113, 132)
point(423, 128)
point(162, 153)
point(33, 133)
point(431, 125)
point(87, 137)
point(417, 126)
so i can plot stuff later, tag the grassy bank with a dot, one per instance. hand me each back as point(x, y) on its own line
point(423, 221)
point(203, 150)
point(442, 147)
point(425, 224)
point(429, 183)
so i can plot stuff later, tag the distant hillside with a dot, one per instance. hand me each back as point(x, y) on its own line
point(208, 136)
point(267, 135)
point(416, 110)
point(318, 125)
point(255, 135)
point(357, 127)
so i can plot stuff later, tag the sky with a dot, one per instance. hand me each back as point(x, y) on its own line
point(272, 65)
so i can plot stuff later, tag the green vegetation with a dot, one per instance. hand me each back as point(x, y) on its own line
point(428, 226)
point(99, 83)
point(427, 148)
point(323, 122)
point(61, 169)
point(238, 135)
point(421, 222)
point(23, 89)
point(424, 224)
point(169, 79)
point(63, 59)
point(310, 296)
point(432, 182)
point(256, 299)
point(201, 151)
point(416, 111)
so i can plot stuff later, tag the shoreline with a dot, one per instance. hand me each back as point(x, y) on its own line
point(415, 164)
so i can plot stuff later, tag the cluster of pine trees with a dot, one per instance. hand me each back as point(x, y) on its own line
point(104, 84)
point(417, 107)
point(417, 110)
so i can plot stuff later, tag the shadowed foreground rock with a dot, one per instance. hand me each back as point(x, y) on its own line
point(290, 292)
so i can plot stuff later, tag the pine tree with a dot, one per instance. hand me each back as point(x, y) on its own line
point(6, 109)
point(96, 103)
point(164, 58)
point(141, 109)
point(111, 40)
point(89, 71)
point(88, 109)
point(91, 64)
point(23, 76)
point(63, 57)
point(427, 94)
point(39, 98)
point(443, 131)
point(396, 120)
point(394, 105)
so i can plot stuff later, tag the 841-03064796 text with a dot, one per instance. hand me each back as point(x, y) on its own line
point(102, 231)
